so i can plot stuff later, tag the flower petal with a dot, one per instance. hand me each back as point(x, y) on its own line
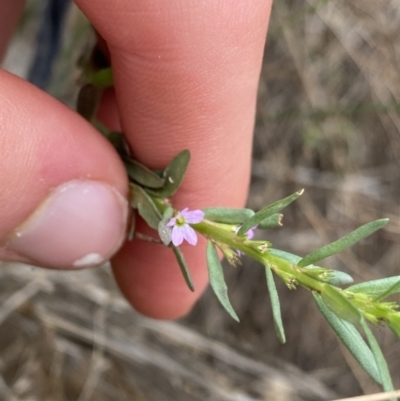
point(189, 234)
point(177, 235)
point(171, 222)
point(250, 234)
point(194, 217)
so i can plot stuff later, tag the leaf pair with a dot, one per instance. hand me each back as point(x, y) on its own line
point(240, 216)
point(220, 289)
point(379, 290)
point(161, 185)
point(146, 185)
point(370, 356)
point(268, 212)
point(172, 176)
point(142, 175)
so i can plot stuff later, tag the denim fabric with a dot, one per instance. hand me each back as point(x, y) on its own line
point(48, 42)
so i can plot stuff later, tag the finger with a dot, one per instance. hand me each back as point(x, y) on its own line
point(63, 199)
point(186, 76)
point(10, 12)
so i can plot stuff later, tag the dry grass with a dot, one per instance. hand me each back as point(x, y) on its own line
point(373, 397)
point(328, 120)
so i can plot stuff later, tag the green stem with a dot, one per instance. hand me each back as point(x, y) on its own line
point(281, 267)
point(291, 274)
point(217, 233)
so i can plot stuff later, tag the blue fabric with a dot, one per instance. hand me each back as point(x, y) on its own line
point(48, 42)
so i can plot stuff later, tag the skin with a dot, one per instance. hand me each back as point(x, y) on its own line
point(186, 75)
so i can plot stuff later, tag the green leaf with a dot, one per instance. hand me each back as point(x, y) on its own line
point(289, 257)
point(217, 280)
point(132, 226)
point(143, 175)
point(394, 324)
point(351, 338)
point(338, 278)
point(168, 213)
point(343, 243)
point(184, 269)
point(380, 361)
point(116, 138)
point(227, 215)
point(103, 78)
point(88, 101)
point(268, 212)
point(145, 206)
point(276, 307)
point(273, 221)
point(173, 175)
point(339, 304)
point(378, 289)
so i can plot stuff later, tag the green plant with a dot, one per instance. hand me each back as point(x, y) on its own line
point(348, 309)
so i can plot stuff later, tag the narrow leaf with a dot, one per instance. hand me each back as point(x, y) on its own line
point(378, 289)
point(145, 206)
point(273, 221)
point(184, 269)
point(173, 175)
point(351, 338)
point(116, 138)
point(338, 278)
point(343, 243)
point(227, 215)
point(394, 325)
point(132, 226)
point(339, 304)
point(380, 361)
point(276, 306)
point(143, 175)
point(217, 280)
point(88, 101)
point(289, 257)
point(268, 212)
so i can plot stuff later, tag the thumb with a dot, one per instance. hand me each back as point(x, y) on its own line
point(63, 199)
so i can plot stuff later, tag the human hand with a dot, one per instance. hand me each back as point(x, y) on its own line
point(186, 76)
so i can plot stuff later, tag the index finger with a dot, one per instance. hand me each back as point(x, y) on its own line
point(186, 76)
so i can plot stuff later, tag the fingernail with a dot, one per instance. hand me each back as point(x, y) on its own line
point(82, 223)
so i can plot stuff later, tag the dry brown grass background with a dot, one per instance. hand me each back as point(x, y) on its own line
point(328, 120)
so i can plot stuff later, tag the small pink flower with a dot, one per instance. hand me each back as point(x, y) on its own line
point(249, 235)
point(180, 226)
